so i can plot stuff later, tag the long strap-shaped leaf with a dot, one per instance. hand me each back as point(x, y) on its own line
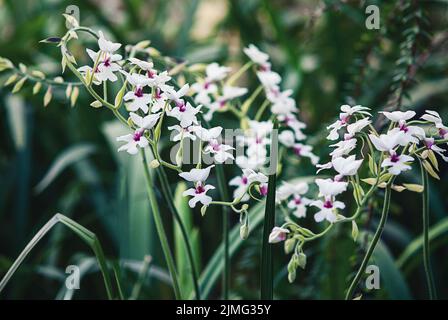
point(89, 237)
point(267, 283)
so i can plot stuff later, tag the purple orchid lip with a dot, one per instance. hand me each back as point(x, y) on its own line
point(403, 127)
point(245, 180)
point(139, 92)
point(181, 105)
point(394, 158)
point(200, 189)
point(328, 204)
point(297, 151)
point(150, 74)
point(137, 136)
point(297, 200)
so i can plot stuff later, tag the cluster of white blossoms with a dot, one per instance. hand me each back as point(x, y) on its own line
point(390, 154)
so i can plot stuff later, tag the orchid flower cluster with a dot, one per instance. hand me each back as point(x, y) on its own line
point(356, 142)
point(154, 98)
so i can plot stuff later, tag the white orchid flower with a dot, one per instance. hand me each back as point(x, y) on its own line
point(106, 45)
point(434, 117)
point(206, 134)
point(387, 142)
point(185, 113)
point(159, 100)
point(330, 188)
point(282, 103)
point(144, 123)
point(288, 189)
point(160, 80)
point(397, 163)
point(269, 79)
point(252, 163)
point(139, 99)
point(143, 65)
point(346, 166)
point(220, 151)
point(397, 116)
point(176, 96)
point(302, 150)
point(214, 72)
point(299, 204)
point(278, 234)
point(287, 138)
point(430, 144)
point(327, 210)
point(107, 66)
point(182, 133)
point(257, 56)
point(343, 148)
point(356, 127)
point(196, 175)
point(133, 142)
point(199, 194)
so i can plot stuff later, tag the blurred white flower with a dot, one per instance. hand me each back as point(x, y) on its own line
point(346, 166)
point(302, 150)
point(106, 45)
point(257, 56)
point(299, 204)
point(182, 133)
point(220, 151)
point(430, 144)
point(343, 147)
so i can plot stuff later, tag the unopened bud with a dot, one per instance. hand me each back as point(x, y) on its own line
point(289, 245)
point(301, 260)
point(203, 210)
point(244, 231)
point(292, 276)
point(154, 164)
point(245, 207)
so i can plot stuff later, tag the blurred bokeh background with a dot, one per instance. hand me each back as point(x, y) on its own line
point(325, 54)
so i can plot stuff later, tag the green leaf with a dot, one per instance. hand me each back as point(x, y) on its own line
point(67, 158)
point(85, 234)
point(392, 279)
point(266, 289)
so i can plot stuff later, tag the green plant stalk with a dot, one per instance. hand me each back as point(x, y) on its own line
point(168, 195)
point(160, 229)
point(426, 251)
point(374, 242)
point(267, 283)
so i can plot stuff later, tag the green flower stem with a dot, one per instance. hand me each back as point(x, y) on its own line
point(374, 242)
point(425, 214)
point(160, 229)
point(246, 105)
point(262, 109)
point(239, 73)
point(168, 195)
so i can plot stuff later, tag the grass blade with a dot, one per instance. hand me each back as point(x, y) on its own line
point(85, 234)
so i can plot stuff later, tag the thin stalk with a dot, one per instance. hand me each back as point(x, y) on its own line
point(225, 231)
point(374, 242)
point(267, 283)
point(425, 214)
point(160, 229)
point(168, 195)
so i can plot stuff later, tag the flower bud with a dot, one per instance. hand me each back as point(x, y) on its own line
point(203, 210)
point(301, 260)
point(154, 164)
point(292, 276)
point(245, 207)
point(244, 231)
point(289, 245)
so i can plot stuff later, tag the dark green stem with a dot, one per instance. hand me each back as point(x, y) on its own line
point(160, 229)
point(374, 242)
point(267, 283)
point(425, 214)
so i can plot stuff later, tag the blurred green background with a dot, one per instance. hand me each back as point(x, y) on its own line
point(324, 53)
